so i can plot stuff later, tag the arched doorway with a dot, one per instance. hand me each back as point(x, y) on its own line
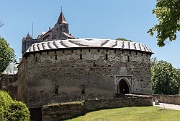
point(122, 87)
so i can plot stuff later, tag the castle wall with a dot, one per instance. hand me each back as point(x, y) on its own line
point(9, 84)
point(76, 74)
point(22, 81)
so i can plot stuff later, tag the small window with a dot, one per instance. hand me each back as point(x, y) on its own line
point(56, 89)
point(94, 64)
point(106, 56)
point(55, 57)
point(36, 59)
point(83, 89)
point(81, 56)
point(128, 58)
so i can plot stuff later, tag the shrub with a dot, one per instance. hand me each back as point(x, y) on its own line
point(12, 110)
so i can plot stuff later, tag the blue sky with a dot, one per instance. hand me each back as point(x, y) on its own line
point(109, 19)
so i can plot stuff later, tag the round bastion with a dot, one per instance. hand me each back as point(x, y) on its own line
point(79, 69)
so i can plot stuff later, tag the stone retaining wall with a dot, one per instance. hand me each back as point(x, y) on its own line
point(57, 112)
point(171, 99)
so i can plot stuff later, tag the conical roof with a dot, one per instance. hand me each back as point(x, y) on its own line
point(61, 19)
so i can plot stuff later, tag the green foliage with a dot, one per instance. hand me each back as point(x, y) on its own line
point(6, 54)
point(166, 78)
point(5, 101)
point(123, 39)
point(18, 112)
point(168, 14)
point(12, 110)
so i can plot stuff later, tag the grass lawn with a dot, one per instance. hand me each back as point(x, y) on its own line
point(131, 114)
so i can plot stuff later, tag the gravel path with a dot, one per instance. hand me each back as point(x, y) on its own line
point(169, 106)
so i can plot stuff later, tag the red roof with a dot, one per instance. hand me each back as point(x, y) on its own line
point(61, 19)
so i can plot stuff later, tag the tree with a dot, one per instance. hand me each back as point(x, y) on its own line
point(12, 110)
point(166, 78)
point(168, 14)
point(6, 54)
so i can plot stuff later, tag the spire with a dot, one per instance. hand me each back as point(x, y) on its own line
point(61, 19)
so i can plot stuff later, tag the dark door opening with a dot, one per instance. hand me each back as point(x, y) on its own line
point(36, 114)
point(123, 87)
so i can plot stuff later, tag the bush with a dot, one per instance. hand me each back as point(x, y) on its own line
point(12, 110)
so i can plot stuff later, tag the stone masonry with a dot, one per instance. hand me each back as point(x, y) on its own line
point(70, 74)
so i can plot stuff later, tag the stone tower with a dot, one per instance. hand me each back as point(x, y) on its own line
point(61, 24)
point(28, 41)
point(75, 69)
point(59, 31)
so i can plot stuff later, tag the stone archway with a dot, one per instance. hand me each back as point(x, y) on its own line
point(122, 87)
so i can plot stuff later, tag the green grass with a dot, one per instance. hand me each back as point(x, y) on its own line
point(131, 114)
